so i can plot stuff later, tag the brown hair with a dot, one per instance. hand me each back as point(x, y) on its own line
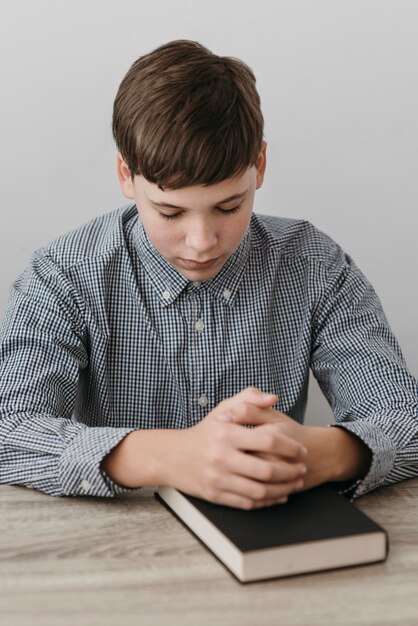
point(184, 116)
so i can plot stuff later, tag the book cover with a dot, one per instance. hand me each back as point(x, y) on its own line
point(315, 530)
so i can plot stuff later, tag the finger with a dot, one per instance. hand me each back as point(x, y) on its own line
point(259, 440)
point(240, 502)
point(254, 396)
point(271, 471)
point(247, 413)
point(269, 456)
point(256, 490)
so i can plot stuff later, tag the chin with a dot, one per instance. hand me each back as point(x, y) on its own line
point(198, 275)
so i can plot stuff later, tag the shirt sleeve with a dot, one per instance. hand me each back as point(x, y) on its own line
point(43, 347)
point(362, 373)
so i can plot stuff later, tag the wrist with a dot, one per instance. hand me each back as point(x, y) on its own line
point(352, 457)
point(321, 460)
point(139, 459)
point(334, 455)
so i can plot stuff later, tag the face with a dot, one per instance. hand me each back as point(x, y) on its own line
point(195, 228)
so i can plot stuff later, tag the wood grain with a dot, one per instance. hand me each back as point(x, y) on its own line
point(88, 561)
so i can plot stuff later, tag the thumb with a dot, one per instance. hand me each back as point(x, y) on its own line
point(258, 397)
point(231, 409)
point(259, 400)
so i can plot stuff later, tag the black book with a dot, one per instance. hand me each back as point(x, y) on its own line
point(315, 530)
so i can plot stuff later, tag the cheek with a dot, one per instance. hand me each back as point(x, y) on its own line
point(238, 228)
point(163, 236)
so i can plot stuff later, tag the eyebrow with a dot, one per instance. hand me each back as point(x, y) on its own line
point(236, 196)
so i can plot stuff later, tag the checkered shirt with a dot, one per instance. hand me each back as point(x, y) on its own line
point(102, 336)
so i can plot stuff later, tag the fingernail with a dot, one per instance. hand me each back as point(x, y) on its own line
point(269, 396)
point(304, 450)
point(303, 469)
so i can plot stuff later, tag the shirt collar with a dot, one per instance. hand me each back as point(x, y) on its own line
point(169, 283)
point(226, 283)
point(166, 280)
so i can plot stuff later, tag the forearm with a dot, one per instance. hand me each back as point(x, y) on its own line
point(138, 460)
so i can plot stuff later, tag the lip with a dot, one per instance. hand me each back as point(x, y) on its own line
point(196, 265)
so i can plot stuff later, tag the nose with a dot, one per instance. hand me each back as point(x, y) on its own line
point(201, 237)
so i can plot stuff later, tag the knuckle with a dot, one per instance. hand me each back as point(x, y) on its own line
point(260, 492)
point(270, 441)
point(213, 457)
point(212, 470)
point(211, 493)
point(211, 478)
point(244, 410)
point(267, 472)
point(223, 408)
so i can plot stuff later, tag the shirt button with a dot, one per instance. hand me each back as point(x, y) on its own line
point(85, 485)
point(226, 294)
point(203, 401)
point(166, 295)
point(197, 283)
point(199, 326)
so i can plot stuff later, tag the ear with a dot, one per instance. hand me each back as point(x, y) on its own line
point(261, 165)
point(124, 175)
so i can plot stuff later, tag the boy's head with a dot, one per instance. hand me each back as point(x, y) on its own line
point(184, 116)
point(189, 132)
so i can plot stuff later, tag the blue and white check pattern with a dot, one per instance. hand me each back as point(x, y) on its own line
point(103, 336)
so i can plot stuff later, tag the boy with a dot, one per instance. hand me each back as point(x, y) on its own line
point(135, 348)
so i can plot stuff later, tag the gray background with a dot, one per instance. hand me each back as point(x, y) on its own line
point(339, 90)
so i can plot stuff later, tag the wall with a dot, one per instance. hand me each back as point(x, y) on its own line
point(339, 90)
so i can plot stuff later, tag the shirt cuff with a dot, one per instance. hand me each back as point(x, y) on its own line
point(79, 466)
point(383, 457)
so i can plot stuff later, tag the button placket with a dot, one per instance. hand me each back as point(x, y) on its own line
point(198, 398)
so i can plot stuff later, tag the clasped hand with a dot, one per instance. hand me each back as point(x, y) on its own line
point(243, 467)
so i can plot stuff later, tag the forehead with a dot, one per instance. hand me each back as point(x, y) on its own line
point(197, 195)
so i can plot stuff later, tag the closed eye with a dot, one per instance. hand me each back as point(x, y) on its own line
point(231, 211)
point(169, 217)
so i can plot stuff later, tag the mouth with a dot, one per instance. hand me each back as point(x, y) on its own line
point(196, 265)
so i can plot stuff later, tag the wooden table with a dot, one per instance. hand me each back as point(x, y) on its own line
point(88, 561)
